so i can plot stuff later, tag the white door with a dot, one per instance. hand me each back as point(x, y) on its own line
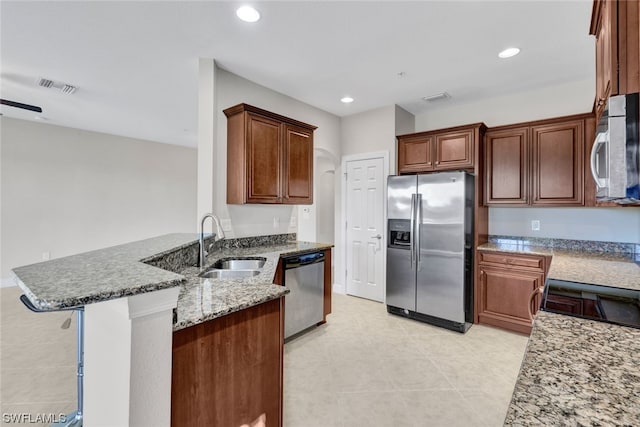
point(365, 228)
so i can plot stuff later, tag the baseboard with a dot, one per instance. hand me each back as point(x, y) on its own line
point(339, 288)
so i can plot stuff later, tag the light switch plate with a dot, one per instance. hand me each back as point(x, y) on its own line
point(535, 225)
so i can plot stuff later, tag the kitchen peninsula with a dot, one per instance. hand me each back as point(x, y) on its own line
point(129, 293)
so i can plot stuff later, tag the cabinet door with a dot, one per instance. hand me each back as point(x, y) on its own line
point(454, 150)
point(298, 165)
point(508, 297)
point(506, 167)
point(264, 157)
point(605, 47)
point(558, 163)
point(414, 154)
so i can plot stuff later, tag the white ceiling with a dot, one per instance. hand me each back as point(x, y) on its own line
point(136, 63)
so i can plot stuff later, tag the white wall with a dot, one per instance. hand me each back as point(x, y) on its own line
point(405, 121)
point(66, 191)
point(251, 220)
point(603, 224)
point(553, 101)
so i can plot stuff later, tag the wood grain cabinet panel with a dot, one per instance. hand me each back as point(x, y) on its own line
point(415, 154)
point(440, 150)
point(506, 161)
point(509, 289)
point(454, 150)
point(298, 165)
point(269, 157)
point(558, 163)
point(263, 158)
point(538, 163)
point(615, 24)
point(228, 371)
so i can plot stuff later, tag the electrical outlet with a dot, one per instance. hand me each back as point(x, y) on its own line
point(276, 222)
point(535, 225)
point(293, 222)
point(46, 256)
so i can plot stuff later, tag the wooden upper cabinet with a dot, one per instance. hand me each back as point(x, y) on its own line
point(264, 154)
point(298, 165)
point(506, 162)
point(615, 23)
point(439, 150)
point(415, 154)
point(538, 163)
point(269, 157)
point(557, 156)
point(606, 52)
point(454, 150)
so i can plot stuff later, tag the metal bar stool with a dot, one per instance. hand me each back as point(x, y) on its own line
point(74, 419)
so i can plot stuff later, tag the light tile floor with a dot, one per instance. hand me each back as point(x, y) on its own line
point(366, 367)
point(363, 368)
point(37, 361)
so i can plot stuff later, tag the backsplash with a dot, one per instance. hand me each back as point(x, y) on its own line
point(567, 244)
point(188, 256)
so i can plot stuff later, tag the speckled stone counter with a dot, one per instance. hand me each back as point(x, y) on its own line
point(591, 263)
point(100, 275)
point(206, 299)
point(578, 372)
point(125, 270)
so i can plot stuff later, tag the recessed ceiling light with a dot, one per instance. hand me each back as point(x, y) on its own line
point(509, 52)
point(347, 100)
point(248, 14)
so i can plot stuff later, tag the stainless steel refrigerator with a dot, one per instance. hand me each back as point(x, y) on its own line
point(430, 248)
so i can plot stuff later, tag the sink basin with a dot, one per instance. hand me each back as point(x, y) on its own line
point(240, 264)
point(215, 273)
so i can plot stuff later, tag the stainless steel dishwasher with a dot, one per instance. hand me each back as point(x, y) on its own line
point(304, 276)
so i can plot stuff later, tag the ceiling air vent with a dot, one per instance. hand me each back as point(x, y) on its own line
point(437, 97)
point(45, 83)
point(62, 87)
point(68, 89)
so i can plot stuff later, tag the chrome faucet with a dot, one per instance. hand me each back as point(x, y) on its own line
point(218, 235)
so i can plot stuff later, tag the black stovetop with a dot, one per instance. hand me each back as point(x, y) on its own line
point(595, 302)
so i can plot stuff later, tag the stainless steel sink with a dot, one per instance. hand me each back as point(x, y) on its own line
point(215, 273)
point(240, 264)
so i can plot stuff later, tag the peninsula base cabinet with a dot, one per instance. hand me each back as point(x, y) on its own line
point(229, 371)
point(510, 288)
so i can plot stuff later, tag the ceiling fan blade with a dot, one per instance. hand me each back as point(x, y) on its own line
point(20, 105)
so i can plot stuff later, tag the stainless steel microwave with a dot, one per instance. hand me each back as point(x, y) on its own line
point(615, 156)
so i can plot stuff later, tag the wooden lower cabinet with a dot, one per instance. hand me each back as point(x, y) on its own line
point(228, 371)
point(510, 287)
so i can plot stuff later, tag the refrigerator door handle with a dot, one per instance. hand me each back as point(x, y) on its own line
point(412, 229)
point(417, 229)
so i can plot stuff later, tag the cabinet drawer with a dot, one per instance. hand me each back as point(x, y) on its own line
point(535, 262)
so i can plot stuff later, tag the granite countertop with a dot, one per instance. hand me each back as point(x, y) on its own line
point(130, 269)
point(578, 372)
point(205, 299)
point(615, 269)
point(100, 275)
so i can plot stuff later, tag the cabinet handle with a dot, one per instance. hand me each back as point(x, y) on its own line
point(530, 307)
point(438, 162)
